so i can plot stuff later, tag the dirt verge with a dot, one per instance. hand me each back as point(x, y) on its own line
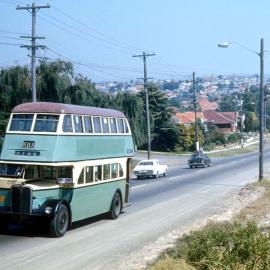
point(251, 201)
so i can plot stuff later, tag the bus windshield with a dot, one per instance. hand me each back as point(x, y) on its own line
point(31, 172)
point(11, 170)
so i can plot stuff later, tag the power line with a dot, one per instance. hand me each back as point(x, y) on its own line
point(87, 65)
point(82, 37)
point(13, 38)
point(9, 44)
point(96, 31)
point(94, 37)
point(12, 33)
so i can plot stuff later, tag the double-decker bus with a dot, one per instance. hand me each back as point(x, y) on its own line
point(62, 163)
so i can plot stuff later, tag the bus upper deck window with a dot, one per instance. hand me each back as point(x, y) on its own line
point(105, 125)
point(113, 125)
point(88, 124)
point(46, 123)
point(67, 124)
point(21, 122)
point(120, 124)
point(97, 126)
point(126, 126)
point(77, 121)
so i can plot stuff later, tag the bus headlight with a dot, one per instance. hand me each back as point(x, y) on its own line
point(48, 210)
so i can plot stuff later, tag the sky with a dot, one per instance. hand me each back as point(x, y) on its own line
point(100, 37)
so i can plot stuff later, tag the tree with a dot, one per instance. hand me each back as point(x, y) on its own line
point(164, 131)
point(227, 104)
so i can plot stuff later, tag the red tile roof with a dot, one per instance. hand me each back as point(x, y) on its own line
point(205, 105)
point(188, 117)
point(220, 117)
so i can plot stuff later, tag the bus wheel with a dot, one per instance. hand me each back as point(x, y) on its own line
point(116, 207)
point(59, 223)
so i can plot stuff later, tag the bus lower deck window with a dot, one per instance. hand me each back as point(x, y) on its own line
point(106, 172)
point(81, 177)
point(98, 173)
point(121, 173)
point(114, 169)
point(65, 172)
point(89, 174)
point(48, 172)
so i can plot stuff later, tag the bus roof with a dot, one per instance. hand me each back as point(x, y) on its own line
point(59, 108)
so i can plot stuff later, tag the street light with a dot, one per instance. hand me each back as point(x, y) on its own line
point(261, 55)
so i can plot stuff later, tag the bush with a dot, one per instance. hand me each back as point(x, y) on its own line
point(225, 246)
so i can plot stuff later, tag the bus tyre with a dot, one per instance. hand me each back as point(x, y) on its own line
point(116, 207)
point(59, 223)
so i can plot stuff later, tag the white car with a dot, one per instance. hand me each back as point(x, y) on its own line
point(151, 167)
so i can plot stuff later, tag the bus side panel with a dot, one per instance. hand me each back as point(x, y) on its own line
point(89, 201)
point(53, 148)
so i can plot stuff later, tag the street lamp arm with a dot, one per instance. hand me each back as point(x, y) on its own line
point(226, 45)
point(244, 47)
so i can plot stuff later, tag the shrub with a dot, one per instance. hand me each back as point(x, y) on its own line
point(225, 246)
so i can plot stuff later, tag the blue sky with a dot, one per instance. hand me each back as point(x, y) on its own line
point(101, 36)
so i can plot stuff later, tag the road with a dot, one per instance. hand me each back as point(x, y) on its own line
point(157, 207)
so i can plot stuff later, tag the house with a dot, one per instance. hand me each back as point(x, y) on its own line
point(186, 118)
point(226, 122)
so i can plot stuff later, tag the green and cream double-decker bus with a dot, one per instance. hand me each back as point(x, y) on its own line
point(64, 163)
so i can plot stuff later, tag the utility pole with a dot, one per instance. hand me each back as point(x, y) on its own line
point(261, 55)
point(145, 86)
point(197, 145)
point(33, 10)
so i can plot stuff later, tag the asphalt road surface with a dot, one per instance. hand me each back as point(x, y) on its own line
point(157, 207)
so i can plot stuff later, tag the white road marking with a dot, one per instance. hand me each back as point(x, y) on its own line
point(138, 186)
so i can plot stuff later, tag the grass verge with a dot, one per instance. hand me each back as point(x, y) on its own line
point(234, 152)
point(242, 244)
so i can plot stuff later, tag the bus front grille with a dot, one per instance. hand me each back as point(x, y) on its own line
point(21, 199)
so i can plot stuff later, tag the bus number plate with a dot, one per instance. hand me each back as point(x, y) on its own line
point(28, 144)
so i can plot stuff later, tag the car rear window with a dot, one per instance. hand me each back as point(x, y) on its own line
point(146, 163)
